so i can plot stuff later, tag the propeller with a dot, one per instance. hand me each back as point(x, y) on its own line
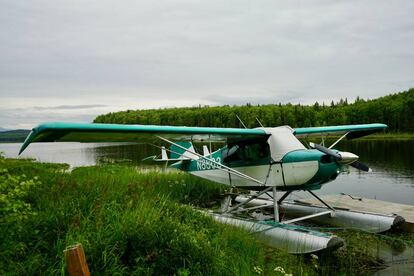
point(346, 158)
point(325, 150)
point(360, 166)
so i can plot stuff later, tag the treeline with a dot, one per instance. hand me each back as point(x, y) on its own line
point(395, 110)
point(14, 135)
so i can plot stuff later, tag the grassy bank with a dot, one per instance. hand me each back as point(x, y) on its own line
point(135, 222)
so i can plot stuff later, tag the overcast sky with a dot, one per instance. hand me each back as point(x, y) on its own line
point(71, 60)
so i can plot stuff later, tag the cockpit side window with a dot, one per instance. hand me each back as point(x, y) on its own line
point(249, 153)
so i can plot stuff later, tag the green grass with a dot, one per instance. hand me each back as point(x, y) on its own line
point(133, 222)
point(129, 222)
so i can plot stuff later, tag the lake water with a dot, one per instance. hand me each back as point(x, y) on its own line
point(392, 163)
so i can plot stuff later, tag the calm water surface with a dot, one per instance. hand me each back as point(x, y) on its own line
point(392, 178)
point(392, 163)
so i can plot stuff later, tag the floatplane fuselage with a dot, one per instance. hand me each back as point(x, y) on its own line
point(279, 160)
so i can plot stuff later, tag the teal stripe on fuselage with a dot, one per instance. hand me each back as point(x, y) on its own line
point(302, 155)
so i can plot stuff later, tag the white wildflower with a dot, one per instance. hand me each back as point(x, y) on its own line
point(257, 269)
point(279, 269)
point(314, 256)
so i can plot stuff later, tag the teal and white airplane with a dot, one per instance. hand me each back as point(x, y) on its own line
point(261, 159)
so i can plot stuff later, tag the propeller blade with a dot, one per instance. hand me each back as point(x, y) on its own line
point(326, 151)
point(360, 166)
point(347, 158)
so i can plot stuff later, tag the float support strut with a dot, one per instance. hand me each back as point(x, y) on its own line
point(275, 205)
point(323, 202)
point(285, 195)
point(247, 201)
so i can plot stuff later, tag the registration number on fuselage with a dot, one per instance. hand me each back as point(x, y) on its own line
point(204, 164)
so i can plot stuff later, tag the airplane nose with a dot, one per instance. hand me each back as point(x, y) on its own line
point(347, 157)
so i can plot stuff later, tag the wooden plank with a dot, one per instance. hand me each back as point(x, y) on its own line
point(363, 204)
point(76, 261)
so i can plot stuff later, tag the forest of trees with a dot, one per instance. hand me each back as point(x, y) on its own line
point(395, 110)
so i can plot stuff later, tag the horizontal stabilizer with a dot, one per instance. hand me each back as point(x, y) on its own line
point(180, 153)
point(177, 153)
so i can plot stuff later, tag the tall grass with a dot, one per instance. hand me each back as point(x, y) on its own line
point(129, 222)
point(134, 222)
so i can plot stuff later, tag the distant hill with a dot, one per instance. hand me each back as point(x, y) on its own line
point(3, 129)
point(17, 135)
point(395, 110)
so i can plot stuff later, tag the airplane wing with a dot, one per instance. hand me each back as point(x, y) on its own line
point(91, 132)
point(354, 131)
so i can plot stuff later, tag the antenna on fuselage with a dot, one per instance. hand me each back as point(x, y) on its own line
point(260, 123)
point(241, 121)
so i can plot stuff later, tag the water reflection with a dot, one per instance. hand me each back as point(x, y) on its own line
point(131, 153)
point(392, 156)
point(392, 178)
point(392, 162)
point(398, 256)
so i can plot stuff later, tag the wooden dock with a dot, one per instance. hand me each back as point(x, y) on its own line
point(361, 204)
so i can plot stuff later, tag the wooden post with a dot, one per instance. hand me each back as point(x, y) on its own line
point(76, 261)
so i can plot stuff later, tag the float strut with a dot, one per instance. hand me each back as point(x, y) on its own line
point(323, 202)
point(275, 205)
point(284, 196)
point(247, 201)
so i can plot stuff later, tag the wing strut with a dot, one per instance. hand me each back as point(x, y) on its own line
point(337, 141)
point(230, 170)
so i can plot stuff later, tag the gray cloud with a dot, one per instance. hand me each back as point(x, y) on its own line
point(143, 54)
point(69, 107)
point(288, 97)
point(30, 116)
point(27, 118)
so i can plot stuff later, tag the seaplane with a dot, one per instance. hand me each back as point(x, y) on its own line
point(269, 162)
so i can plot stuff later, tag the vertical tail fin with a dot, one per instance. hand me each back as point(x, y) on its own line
point(206, 152)
point(179, 153)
